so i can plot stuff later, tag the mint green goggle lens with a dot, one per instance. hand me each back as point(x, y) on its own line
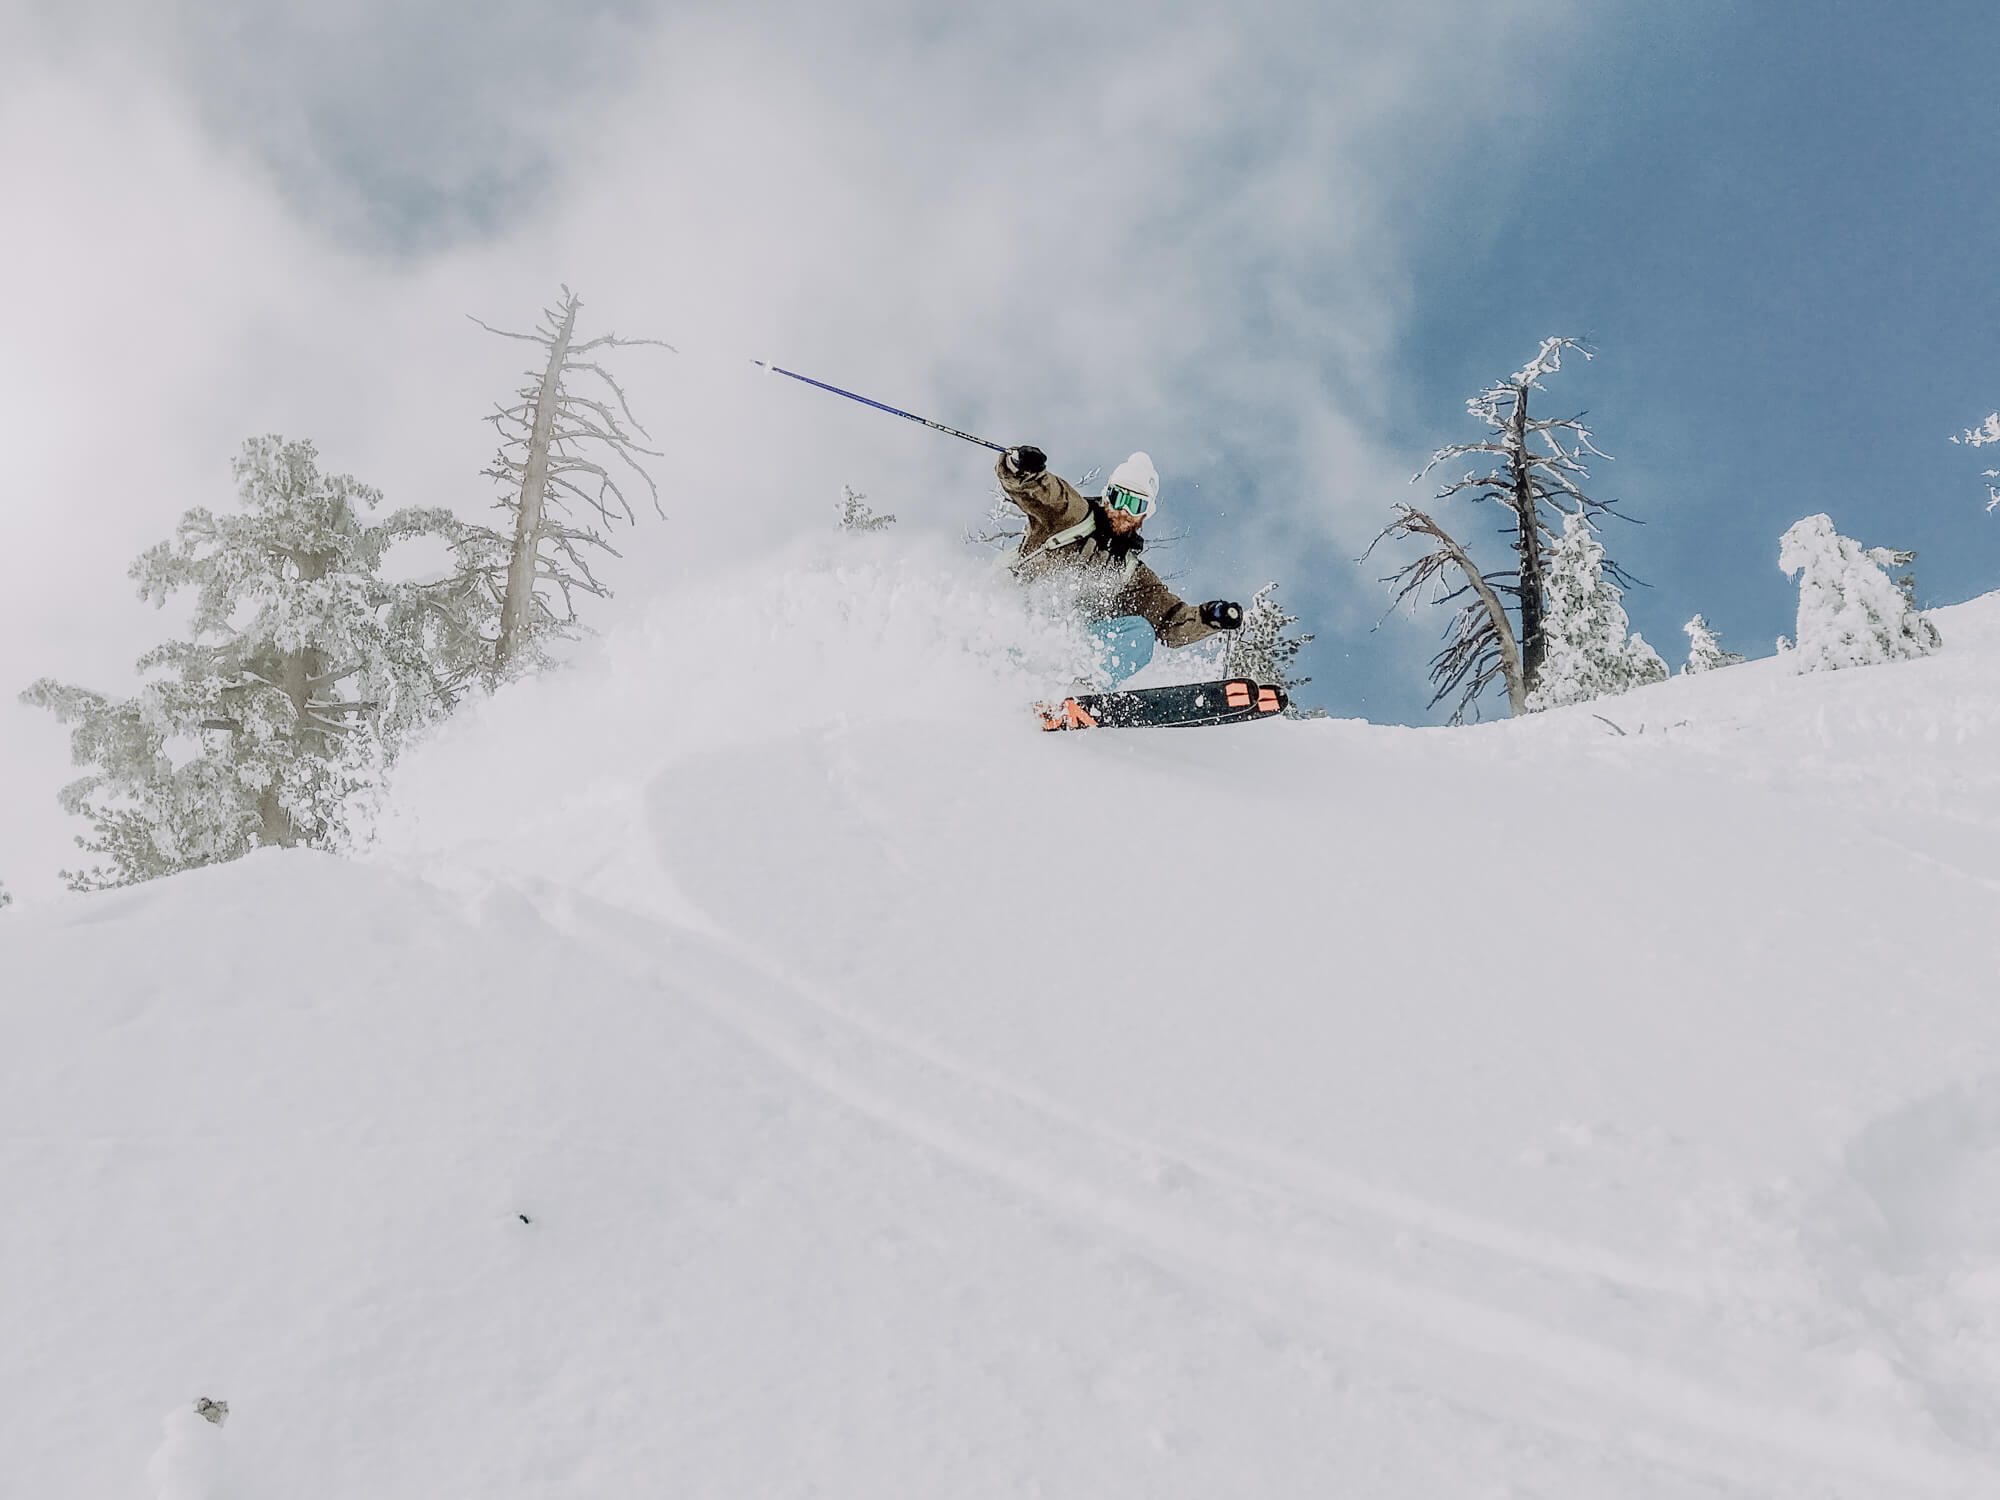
point(1129, 501)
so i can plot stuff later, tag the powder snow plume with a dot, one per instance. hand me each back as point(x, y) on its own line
point(836, 632)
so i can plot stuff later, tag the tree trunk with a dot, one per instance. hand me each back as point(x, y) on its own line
point(297, 672)
point(1511, 670)
point(1527, 544)
point(515, 610)
point(274, 823)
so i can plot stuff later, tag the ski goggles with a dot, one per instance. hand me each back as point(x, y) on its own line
point(1120, 500)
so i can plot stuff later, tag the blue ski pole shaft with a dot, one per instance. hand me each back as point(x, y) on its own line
point(894, 411)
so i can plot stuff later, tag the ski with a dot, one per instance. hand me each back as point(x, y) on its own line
point(1186, 706)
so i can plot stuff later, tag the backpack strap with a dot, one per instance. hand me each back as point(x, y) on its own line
point(1076, 533)
point(1062, 538)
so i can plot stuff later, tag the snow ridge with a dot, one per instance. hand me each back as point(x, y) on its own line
point(841, 1087)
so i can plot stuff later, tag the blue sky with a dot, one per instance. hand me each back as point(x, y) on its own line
point(1778, 226)
point(1277, 247)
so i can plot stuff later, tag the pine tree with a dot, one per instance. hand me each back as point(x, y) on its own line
point(855, 514)
point(302, 675)
point(1705, 651)
point(1589, 654)
point(1259, 649)
point(6, 897)
point(1851, 612)
point(516, 586)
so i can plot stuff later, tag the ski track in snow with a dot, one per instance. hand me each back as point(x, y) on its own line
point(1259, 1239)
point(1932, 862)
point(1283, 1234)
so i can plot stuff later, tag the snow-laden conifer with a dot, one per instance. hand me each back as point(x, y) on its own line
point(6, 898)
point(1705, 651)
point(1590, 653)
point(855, 514)
point(1260, 649)
point(301, 675)
point(565, 441)
point(1851, 612)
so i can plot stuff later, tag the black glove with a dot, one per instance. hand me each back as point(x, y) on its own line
point(1027, 461)
point(1220, 614)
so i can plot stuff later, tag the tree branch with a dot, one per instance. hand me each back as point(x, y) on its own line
point(1479, 628)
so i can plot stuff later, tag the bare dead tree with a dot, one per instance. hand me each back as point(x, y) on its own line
point(566, 441)
point(1479, 644)
point(1533, 468)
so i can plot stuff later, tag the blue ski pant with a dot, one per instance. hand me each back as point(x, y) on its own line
point(1123, 645)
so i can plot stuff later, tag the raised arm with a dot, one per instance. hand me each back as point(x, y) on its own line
point(1048, 498)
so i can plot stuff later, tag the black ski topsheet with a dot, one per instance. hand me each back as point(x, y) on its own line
point(1184, 706)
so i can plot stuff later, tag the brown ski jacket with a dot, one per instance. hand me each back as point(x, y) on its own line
point(1109, 577)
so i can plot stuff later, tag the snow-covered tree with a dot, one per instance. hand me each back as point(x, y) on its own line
point(1705, 651)
point(855, 514)
point(1978, 437)
point(565, 442)
point(1260, 649)
point(1532, 467)
point(1851, 612)
point(301, 676)
point(6, 898)
point(1589, 653)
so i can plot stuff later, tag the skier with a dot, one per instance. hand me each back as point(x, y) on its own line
point(1093, 543)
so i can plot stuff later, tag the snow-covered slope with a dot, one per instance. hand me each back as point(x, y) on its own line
point(757, 1062)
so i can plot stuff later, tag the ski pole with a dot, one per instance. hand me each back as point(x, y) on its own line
point(894, 411)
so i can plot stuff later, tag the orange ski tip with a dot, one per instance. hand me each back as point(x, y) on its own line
point(1069, 714)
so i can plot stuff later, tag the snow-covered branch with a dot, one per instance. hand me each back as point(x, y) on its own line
point(1986, 432)
point(1978, 437)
